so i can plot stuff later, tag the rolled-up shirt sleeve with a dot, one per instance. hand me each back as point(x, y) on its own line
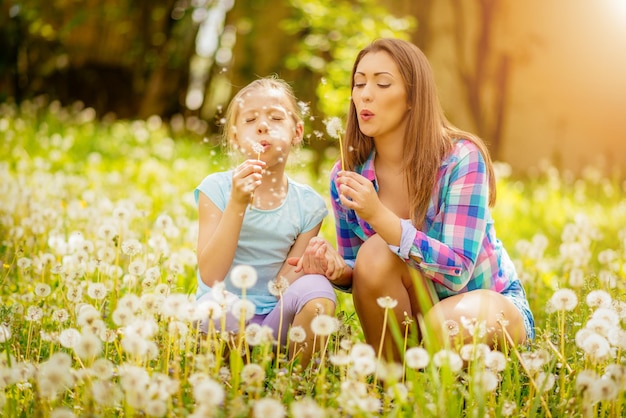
point(447, 252)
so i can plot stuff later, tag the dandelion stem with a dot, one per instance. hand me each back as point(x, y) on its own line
point(343, 161)
point(382, 342)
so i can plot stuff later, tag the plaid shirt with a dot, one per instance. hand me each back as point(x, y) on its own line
point(457, 248)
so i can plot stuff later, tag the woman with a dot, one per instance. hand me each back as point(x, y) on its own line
point(412, 212)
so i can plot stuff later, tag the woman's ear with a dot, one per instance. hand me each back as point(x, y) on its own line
point(298, 134)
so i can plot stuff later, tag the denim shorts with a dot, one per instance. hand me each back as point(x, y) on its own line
point(516, 294)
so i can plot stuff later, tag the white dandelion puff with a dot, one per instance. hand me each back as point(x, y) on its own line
point(243, 308)
point(387, 302)
point(243, 276)
point(417, 358)
point(564, 300)
point(297, 334)
point(268, 407)
point(324, 325)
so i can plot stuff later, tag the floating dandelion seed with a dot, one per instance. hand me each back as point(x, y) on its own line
point(335, 130)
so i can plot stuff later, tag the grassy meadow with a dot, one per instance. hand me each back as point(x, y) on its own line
point(98, 272)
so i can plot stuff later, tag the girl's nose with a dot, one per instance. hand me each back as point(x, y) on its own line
point(262, 126)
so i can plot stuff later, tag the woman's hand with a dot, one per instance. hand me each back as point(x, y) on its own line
point(320, 258)
point(246, 178)
point(357, 193)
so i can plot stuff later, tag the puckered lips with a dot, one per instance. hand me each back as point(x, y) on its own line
point(366, 115)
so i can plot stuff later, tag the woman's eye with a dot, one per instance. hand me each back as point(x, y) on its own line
point(248, 120)
point(359, 85)
point(384, 86)
point(277, 117)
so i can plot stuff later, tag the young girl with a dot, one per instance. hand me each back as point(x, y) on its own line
point(256, 216)
point(412, 211)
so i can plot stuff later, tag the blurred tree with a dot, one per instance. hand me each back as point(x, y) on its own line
point(123, 56)
point(329, 34)
point(484, 70)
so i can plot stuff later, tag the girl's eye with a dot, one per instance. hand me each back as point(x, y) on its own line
point(358, 85)
point(384, 86)
point(248, 120)
point(277, 117)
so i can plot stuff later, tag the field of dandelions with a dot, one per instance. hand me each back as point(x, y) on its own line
point(97, 315)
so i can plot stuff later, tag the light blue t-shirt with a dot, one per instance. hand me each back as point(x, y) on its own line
point(266, 235)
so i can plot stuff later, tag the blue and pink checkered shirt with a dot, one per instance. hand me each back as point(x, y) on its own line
point(457, 248)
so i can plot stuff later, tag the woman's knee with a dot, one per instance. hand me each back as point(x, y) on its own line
point(375, 263)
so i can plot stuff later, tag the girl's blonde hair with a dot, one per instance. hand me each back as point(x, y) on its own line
point(265, 83)
point(429, 136)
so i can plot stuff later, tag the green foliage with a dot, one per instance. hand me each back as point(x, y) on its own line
point(331, 33)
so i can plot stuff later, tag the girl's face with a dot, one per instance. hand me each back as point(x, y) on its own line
point(379, 96)
point(265, 127)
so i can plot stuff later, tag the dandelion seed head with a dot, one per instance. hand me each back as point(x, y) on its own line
point(278, 286)
point(603, 390)
point(362, 350)
point(596, 347)
point(106, 393)
point(306, 408)
point(131, 247)
point(334, 127)
point(97, 291)
point(297, 334)
point(585, 379)
point(598, 299)
point(387, 302)
point(508, 408)
point(535, 360)
point(564, 300)
point(243, 308)
point(87, 346)
point(363, 366)
point(452, 327)
point(243, 276)
point(34, 314)
point(268, 407)
point(487, 380)
point(42, 290)
point(5, 333)
point(340, 359)
point(208, 392)
point(417, 358)
point(253, 374)
point(448, 358)
point(324, 325)
point(495, 361)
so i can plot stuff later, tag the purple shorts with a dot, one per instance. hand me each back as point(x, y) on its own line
point(303, 290)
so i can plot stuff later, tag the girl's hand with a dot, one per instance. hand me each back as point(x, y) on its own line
point(357, 193)
point(320, 258)
point(246, 178)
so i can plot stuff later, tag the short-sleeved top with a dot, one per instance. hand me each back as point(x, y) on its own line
point(457, 248)
point(266, 235)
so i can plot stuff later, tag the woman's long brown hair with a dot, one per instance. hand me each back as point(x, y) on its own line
point(429, 136)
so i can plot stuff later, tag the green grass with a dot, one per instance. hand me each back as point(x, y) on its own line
point(88, 328)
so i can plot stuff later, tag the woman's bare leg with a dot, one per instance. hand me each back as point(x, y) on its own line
point(475, 307)
point(378, 273)
point(309, 311)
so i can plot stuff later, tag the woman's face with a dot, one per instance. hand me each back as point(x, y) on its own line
point(379, 96)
